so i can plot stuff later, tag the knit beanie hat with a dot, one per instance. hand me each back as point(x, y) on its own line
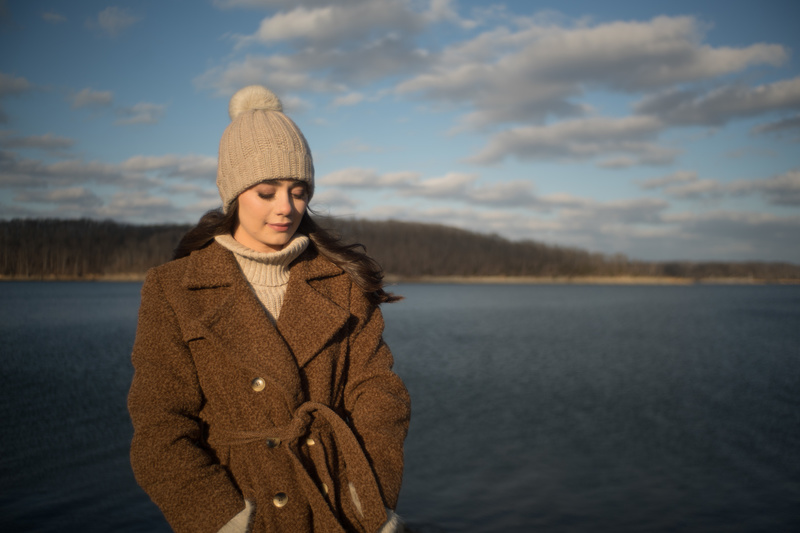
point(260, 143)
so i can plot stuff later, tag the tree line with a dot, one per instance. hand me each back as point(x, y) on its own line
point(75, 249)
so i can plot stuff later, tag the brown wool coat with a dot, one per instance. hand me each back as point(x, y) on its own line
point(321, 431)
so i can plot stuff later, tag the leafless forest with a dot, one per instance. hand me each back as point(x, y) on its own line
point(49, 248)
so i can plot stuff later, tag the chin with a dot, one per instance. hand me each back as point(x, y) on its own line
point(276, 243)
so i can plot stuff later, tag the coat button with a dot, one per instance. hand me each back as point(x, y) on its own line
point(258, 384)
point(273, 443)
point(324, 489)
point(280, 499)
point(310, 441)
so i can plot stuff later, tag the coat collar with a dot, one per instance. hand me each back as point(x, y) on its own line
point(210, 267)
point(309, 319)
point(214, 266)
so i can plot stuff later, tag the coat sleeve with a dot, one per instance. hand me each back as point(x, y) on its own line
point(376, 400)
point(195, 492)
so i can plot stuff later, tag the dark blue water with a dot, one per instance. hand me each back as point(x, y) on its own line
point(553, 408)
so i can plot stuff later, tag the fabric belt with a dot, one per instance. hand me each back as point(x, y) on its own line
point(369, 512)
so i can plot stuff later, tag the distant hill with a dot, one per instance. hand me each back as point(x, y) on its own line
point(78, 249)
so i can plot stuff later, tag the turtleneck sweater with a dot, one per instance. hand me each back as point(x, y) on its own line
point(266, 272)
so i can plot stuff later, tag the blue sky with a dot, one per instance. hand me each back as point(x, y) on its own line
point(658, 130)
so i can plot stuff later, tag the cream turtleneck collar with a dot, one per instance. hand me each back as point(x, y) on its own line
point(266, 272)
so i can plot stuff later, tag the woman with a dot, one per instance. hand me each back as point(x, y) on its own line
point(263, 397)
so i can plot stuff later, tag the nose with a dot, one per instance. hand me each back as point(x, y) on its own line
point(284, 203)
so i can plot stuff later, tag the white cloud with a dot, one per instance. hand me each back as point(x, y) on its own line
point(9, 86)
point(679, 177)
point(321, 70)
point(563, 200)
point(337, 24)
point(783, 189)
point(445, 10)
point(717, 107)
point(757, 236)
point(349, 99)
point(53, 17)
point(590, 225)
point(791, 123)
point(187, 166)
point(517, 193)
point(141, 206)
point(206, 192)
point(642, 228)
point(267, 4)
point(537, 71)
point(69, 198)
point(17, 171)
point(450, 186)
point(364, 178)
point(90, 98)
point(617, 162)
point(136, 172)
point(141, 113)
point(466, 188)
point(331, 47)
point(634, 56)
point(282, 74)
point(136, 201)
point(453, 186)
point(47, 141)
point(580, 139)
point(113, 20)
point(355, 146)
point(625, 212)
point(707, 188)
point(332, 200)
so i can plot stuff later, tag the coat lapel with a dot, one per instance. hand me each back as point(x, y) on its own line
point(309, 319)
point(229, 313)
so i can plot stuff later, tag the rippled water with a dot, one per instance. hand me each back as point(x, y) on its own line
point(556, 408)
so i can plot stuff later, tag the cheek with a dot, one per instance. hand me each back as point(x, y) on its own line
point(247, 211)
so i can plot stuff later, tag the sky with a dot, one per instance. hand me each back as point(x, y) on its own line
point(656, 130)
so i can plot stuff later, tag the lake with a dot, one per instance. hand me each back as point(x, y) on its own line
point(560, 408)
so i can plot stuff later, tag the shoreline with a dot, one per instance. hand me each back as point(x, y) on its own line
point(588, 280)
point(390, 279)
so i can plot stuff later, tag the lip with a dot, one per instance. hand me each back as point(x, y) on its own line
point(280, 227)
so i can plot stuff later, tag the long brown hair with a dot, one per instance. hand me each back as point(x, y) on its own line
point(352, 258)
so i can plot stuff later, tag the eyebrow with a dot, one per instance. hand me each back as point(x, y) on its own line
point(275, 181)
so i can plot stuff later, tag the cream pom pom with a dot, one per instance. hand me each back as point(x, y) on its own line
point(253, 97)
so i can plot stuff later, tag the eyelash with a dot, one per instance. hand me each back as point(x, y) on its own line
point(270, 196)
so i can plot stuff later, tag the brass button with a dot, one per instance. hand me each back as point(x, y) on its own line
point(273, 443)
point(310, 441)
point(280, 499)
point(324, 489)
point(258, 384)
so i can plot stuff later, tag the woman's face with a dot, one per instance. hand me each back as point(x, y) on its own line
point(269, 214)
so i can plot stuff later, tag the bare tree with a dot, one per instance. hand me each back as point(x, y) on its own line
point(76, 249)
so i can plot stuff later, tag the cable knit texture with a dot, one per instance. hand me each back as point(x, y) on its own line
point(267, 273)
point(261, 143)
